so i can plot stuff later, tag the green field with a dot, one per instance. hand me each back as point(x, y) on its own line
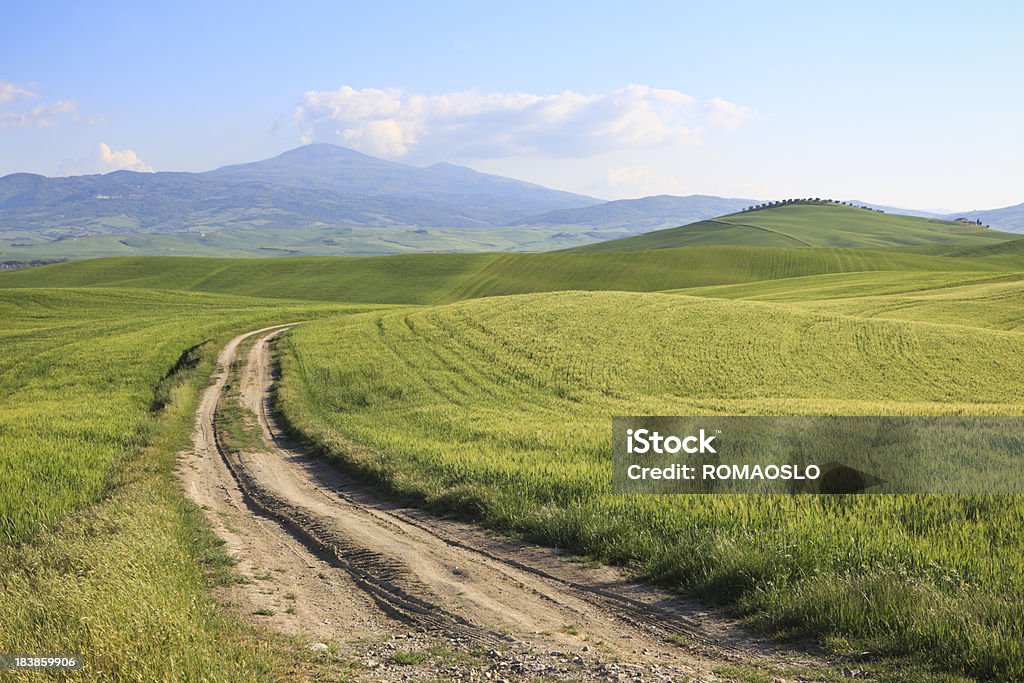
point(487, 390)
point(787, 226)
point(98, 551)
point(526, 385)
point(801, 225)
point(434, 278)
point(267, 241)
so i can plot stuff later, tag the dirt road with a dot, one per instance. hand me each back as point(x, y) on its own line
point(332, 562)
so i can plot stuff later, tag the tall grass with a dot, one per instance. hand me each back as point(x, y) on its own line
point(99, 553)
point(433, 278)
point(501, 409)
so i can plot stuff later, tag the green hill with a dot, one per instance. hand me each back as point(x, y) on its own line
point(810, 225)
point(499, 407)
point(525, 386)
point(663, 269)
point(427, 278)
point(414, 279)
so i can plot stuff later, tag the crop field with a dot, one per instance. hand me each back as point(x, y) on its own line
point(796, 226)
point(483, 385)
point(267, 241)
point(98, 552)
point(787, 226)
point(401, 279)
point(500, 408)
point(435, 278)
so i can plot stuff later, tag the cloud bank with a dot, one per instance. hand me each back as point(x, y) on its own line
point(104, 160)
point(471, 125)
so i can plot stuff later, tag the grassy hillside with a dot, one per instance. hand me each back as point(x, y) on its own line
point(103, 361)
point(790, 226)
point(809, 226)
point(847, 285)
point(99, 553)
point(663, 269)
point(526, 385)
point(401, 279)
point(428, 278)
point(77, 382)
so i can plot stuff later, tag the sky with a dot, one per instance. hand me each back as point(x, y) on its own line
point(911, 104)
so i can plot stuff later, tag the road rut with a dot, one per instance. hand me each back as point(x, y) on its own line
point(342, 561)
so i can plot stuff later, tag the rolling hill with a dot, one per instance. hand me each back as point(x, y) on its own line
point(811, 225)
point(496, 407)
point(431, 278)
point(322, 199)
point(499, 409)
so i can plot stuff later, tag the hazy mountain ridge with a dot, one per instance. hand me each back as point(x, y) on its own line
point(646, 213)
point(1009, 218)
point(297, 202)
point(312, 185)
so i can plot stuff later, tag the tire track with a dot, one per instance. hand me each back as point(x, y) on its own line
point(381, 577)
point(450, 578)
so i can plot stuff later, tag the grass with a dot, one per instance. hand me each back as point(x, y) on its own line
point(666, 269)
point(103, 361)
point(526, 386)
point(424, 279)
point(976, 301)
point(99, 553)
point(122, 582)
point(81, 376)
point(270, 241)
point(846, 285)
point(399, 279)
point(788, 226)
point(810, 226)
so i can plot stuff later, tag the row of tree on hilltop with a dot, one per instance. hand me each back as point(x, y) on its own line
point(835, 202)
point(808, 200)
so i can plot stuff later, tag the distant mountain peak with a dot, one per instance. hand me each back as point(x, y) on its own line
point(445, 166)
point(313, 185)
point(323, 150)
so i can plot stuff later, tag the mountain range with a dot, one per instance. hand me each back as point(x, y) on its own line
point(313, 185)
point(326, 188)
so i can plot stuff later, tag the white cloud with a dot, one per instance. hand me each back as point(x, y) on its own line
point(18, 115)
point(471, 125)
point(728, 115)
point(103, 160)
point(12, 91)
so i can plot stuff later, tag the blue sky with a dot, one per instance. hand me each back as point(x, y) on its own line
point(913, 104)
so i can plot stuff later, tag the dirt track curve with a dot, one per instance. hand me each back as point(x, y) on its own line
point(331, 561)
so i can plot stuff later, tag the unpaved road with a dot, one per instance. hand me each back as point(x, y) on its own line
point(330, 561)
